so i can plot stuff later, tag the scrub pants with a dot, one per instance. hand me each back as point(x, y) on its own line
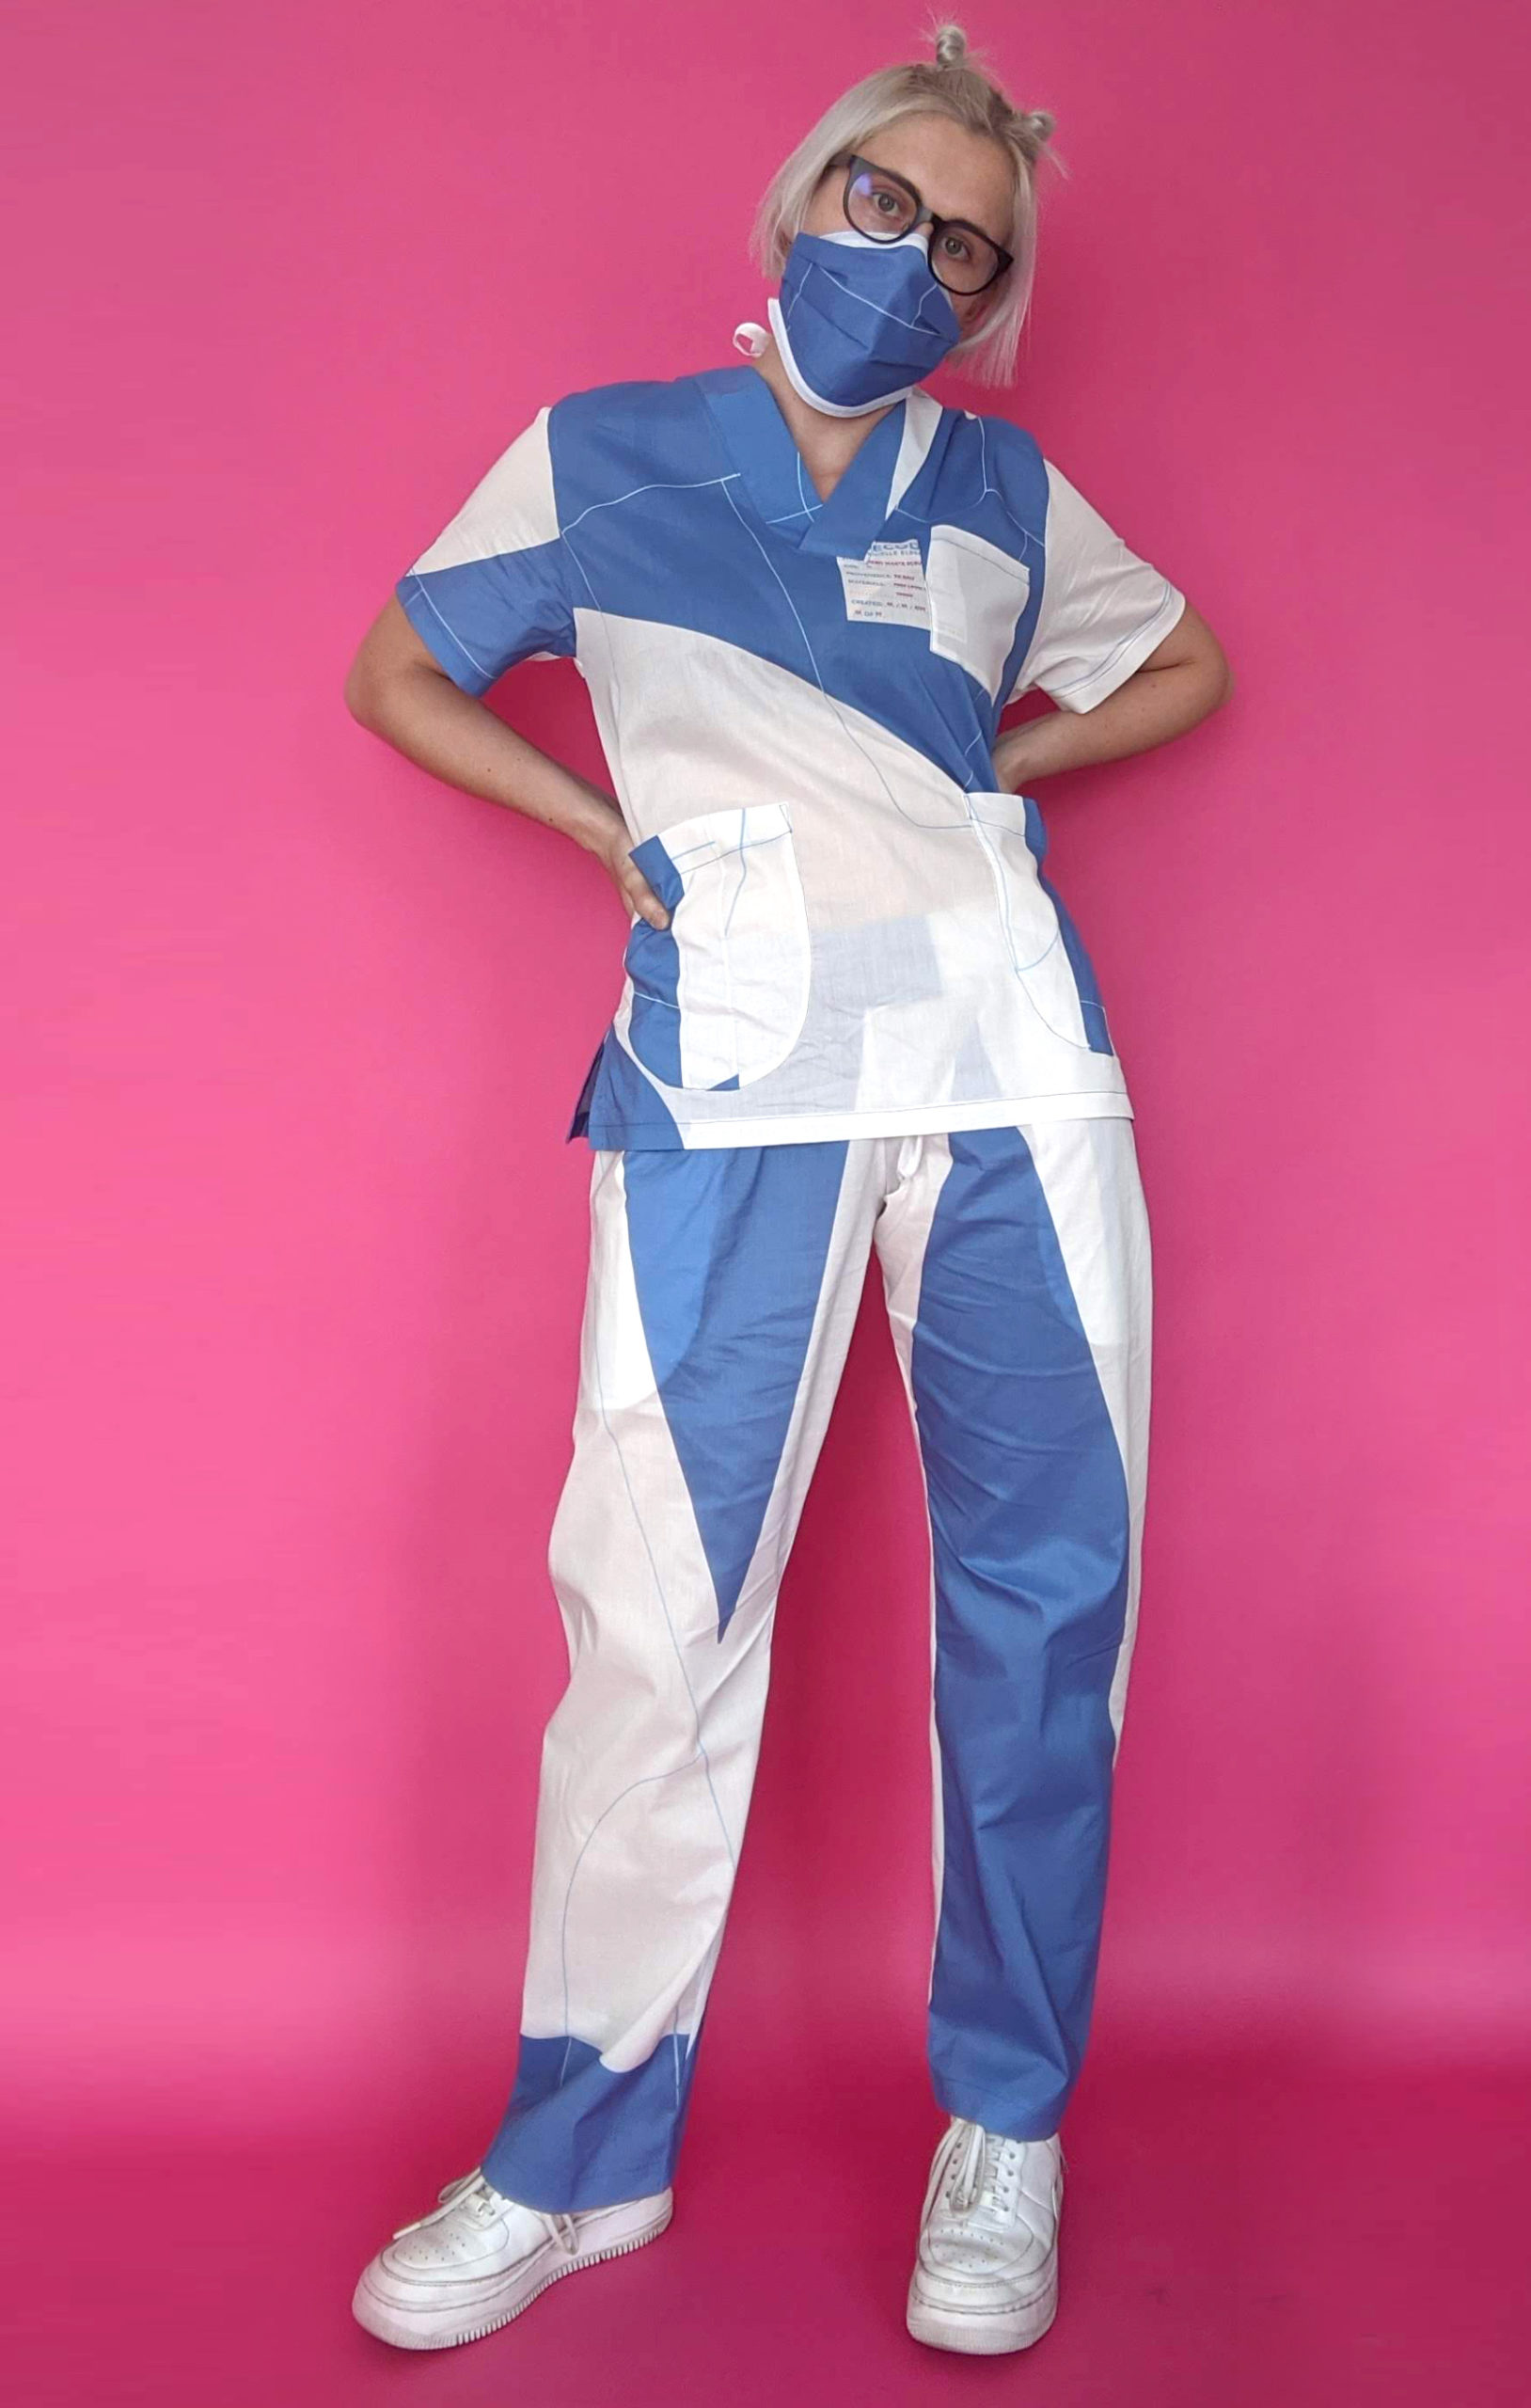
point(722, 1290)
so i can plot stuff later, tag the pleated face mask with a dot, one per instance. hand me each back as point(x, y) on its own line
point(859, 323)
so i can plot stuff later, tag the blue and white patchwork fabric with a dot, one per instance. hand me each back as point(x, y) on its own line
point(723, 1290)
point(799, 701)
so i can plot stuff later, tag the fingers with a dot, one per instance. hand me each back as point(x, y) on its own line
point(634, 887)
point(645, 902)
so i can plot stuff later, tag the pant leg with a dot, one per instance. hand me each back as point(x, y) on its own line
point(722, 1291)
point(1017, 1265)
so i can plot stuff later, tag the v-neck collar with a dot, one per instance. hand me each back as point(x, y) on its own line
point(762, 447)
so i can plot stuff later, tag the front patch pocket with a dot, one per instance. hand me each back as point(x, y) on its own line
point(719, 997)
point(977, 595)
point(1043, 943)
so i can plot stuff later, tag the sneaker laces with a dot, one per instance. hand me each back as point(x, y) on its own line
point(477, 2195)
point(987, 2165)
point(975, 2169)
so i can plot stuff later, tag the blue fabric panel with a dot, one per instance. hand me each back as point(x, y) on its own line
point(617, 1105)
point(660, 871)
point(1030, 1531)
point(1013, 458)
point(661, 522)
point(581, 1121)
point(1091, 1007)
point(761, 445)
point(576, 2135)
point(481, 618)
point(653, 961)
point(729, 1247)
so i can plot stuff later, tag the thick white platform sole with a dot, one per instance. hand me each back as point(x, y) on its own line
point(401, 2312)
point(980, 2332)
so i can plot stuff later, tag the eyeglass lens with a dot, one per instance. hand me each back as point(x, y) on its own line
point(880, 205)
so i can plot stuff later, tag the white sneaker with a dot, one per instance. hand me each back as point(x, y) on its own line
point(986, 2271)
point(479, 2259)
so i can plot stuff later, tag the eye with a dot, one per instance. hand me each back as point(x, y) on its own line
point(879, 206)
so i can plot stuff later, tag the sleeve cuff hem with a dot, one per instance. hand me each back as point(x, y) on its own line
point(1128, 657)
point(438, 638)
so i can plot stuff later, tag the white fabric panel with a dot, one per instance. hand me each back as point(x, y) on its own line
point(639, 1616)
point(741, 932)
point(510, 510)
point(1032, 932)
point(941, 988)
point(804, 1128)
point(921, 417)
point(934, 1154)
point(1095, 1196)
point(649, 1758)
point(1103, 610)
point(690, 723)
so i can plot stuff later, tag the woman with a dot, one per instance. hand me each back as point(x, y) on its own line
point(855, 1014)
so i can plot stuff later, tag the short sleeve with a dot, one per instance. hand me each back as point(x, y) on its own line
point(1103, 610)
point(492, 590)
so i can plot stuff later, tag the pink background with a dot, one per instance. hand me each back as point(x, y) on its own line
point(298, 1249)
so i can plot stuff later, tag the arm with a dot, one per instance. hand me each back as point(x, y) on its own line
point(398, 690)
point(1183, 680)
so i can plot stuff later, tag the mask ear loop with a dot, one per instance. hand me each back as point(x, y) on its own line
point(755, 339)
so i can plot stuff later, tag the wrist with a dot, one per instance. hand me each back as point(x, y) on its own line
point(1012, 759)
point(596, 823)
point(1029, 750)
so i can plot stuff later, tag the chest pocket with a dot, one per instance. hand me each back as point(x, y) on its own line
point(719, 998)
point(977, 595)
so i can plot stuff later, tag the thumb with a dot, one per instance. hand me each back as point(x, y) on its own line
point(647, 904)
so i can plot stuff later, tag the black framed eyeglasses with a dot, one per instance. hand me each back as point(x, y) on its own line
point(883, 205)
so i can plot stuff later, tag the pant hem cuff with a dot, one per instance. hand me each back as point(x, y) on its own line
point(1000, 2115)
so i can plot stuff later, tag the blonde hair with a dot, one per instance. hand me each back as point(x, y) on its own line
point(956, 86)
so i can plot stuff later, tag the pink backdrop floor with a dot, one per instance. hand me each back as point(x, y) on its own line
point(1247, 2232)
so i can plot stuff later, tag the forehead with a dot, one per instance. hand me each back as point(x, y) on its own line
point(959, 174)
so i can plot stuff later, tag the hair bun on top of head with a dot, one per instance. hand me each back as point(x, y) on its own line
point(1034, 126)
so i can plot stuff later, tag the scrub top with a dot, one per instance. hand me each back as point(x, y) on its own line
point(797, 701)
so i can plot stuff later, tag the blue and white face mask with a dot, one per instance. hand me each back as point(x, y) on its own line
point(859, 323)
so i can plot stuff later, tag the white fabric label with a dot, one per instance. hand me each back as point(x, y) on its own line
point(888, 585)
